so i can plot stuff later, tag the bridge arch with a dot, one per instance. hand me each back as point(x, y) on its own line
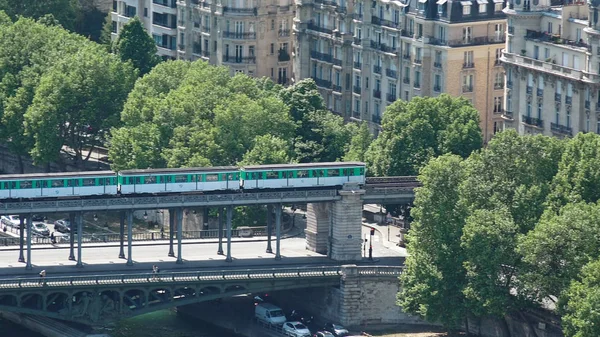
point(58, 301)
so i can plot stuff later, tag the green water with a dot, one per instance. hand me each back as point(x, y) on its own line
point(164, 323)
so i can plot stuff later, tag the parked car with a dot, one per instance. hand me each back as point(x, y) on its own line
point(63, 226)
point(10, 220)
point(40, 228)
point(336, 329)
point(301, 316)
point(323, 334)
point(269, 314)
point(38, 218)
point(295, 329)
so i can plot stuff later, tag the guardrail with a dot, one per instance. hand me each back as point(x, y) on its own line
point(200, 276)
point(385, 180)
point(151, 236)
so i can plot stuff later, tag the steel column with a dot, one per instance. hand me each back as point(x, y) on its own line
point(21, 237)
point(171, 227)
point(79, 217)
point(129, 237)
point(28, 224)
point(229, 216)
point(269, 227)
point(121, 235)
point(71, 236)
point(278, 232)
point(179, 233)
point(221, 216)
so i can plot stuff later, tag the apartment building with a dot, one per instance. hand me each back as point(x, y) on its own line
point(249, 36)
point(552, 61)
point(364, 55)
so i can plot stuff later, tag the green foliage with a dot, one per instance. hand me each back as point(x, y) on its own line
point(135, 45)
point(424, 128)
point(581, 317)
point(65, 11)
point(105, 37)
point(267, 149)
point(359, 145)
point(434, 277)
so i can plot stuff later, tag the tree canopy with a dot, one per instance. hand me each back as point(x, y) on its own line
point(581, 317)
point(135, 45)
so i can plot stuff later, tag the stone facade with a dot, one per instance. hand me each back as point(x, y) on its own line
point(318, 222)
point(346, 229)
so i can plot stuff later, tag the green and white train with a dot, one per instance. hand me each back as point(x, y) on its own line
point(199, 179)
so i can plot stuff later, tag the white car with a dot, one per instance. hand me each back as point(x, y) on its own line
point(295, 329)
point(10, 220)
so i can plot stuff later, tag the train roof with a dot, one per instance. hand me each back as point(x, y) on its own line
point(302, 166)
point(56, 175)
point(178, 170)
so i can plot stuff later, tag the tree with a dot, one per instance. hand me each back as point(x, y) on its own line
point(434, 276)
point(105, 37)
point(416, 131)
point(267, 149)
point(359, 144)
point(65, 11)
point(76, 103)
point(134, 147)
point(559, 246)
point(580, 315)
point(135, 45)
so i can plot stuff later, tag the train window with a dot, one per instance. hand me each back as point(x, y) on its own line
point(72, 182)
point(302, 173)
point(139, 180)
point(25, 184)
point(89, 182)
point(150, 180)
point(273, 175)
point(109, 181)
point(333, 172)
point(230, 176)
point(58, 183)
point(361, 171)
point(212, 177)
point(13, 185)
point(181, 179)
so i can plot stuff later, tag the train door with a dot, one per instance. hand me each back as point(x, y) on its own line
point(320, 177)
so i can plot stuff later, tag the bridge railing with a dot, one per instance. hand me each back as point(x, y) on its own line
point(391, 180)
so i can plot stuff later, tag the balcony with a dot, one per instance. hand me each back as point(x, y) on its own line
point(284, 32)
point(417, 85)
point(528, 90)
point(376, 93)
point(507, 114)
point(557, 97)
point(540, 92)
point(561, 129)
point(391, 97)
point(406, 57)
point(319, 29)
point(357, 16)
point(181, 46)
point(377, 69)
point(205, 53)
point(383, 47)
point(437, 88)
point(283, 55)
point(556, 39)
point(337, 88)
point(511, 29)
point(284, 9)
point(197, 48)
point(509, 84)
point(383, 22)
point(587, 105)
point(165, 24)
point(568, 100)
point(498, 86)
point(239, 59)
point(474, 41)
point(357, 65)
point(376, 119)
point(407, 33)
point(241, 10)
point(437, 42)
point(321, 56)
point(437, 65)
point(406, 80)
point(166, 3)
point(322, 83)
point(356, 89)
point(468, 65)
point(417, 61)
point(467, 88)
point(537, 65)
point(357, 41)
point(239, 35)
point(532, 121)
point(391, 73)
point(337, 62)
point(206, 29)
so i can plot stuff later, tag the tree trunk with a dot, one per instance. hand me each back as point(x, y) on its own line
point(504, 327)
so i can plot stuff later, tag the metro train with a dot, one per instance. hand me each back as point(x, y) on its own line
point(199, 179)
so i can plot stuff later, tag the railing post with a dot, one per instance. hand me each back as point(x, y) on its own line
point(171, 227)
point(21, 238)
point(129, 238)
point(121, 235)
point(229, 216)
point(278, 232)
point(79, 218)
point(221, 216)
point(28, 266)
point(179, 234)
point(269, 227)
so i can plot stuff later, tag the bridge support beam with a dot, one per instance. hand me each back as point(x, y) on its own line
point(79, 220)
point(28, 266)
point(345, 241)
point(179, 234)
point(229, 216)
point(171, 228)
point(121, 235)
point(269, 227)
point(318, 222)
point(221, 216)
point(21, 237)
point(71, 237)
point(129, 238)
point(278, 232)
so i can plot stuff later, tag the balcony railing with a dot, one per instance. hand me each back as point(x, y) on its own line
point(473, 41)
point(356, 89)
point(357, 65)
point(239, 10)
point(283, 55)
point(284, 32)
point(509, 84)
point(337, 88)
point(557, 97)
point(239, 59)
point(511, 29)
point(540, 92)
point(391, 73)
point(376, 119)
point(166, 3)
point(205, 53)
point(587, 105)
point(555, 39)
point(562, 129)
point(468, 65)
point(467, 88)
point(383, 22)
point(568, 100)
point(239, 35)
point(172, 25)
point(391, 97)
point(319, 29)
point(406, 56)
point(181, 46)
point(376, 93)
point(498, 86)
point(437, 88)
point(322, 83)
point(357, 16)
point(377, 69)
point(507, 114)
point(529, 90)
point(197, 48)
point(357, 41)
point(383, 47)
point(206, 29)
point(407, 33)
point(321, 56)
point(417, 85)
point(532, 121)
point(406, 80)
point(437, 64)
point(337, 62)
point(417, 61)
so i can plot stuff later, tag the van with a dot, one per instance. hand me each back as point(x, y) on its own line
point(269, 314)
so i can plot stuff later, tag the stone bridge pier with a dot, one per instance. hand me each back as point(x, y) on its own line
point(334, 228)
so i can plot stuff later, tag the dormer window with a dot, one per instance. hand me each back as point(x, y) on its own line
point(482, 6)
point(498, 5)
point(466, 5)
point(421, 5)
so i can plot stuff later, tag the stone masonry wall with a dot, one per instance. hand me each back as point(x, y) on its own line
point(318, 221)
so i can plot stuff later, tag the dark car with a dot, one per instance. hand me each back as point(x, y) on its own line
point(300, 316)
point(38, 218)
point(63, 226)
point(336, 329)
point(323, 334)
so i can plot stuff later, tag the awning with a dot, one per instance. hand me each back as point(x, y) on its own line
point(422, 1)
point(482, 2)
point(466, 3)
point(498, 1)
point(441, 2)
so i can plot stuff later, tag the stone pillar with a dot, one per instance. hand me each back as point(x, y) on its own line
point(179, 216)
point(129, 238)
point(318, 220)
point(79, 217)
point(345, 241)
point(350, 290)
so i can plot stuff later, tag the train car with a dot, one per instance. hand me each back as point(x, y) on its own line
point(40, 185)
point(179, 180)
point(302, 175)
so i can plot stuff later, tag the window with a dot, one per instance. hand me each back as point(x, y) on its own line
point(546, 53)
point(540, 82)
point(438, 57)
point(377, 84)
point(272, 48)
point(558, 87)
point(58, 183)
point(417, 83)
point(273, 24)
point(466, 9)
point(357, 106)
point(482, 8)
point(539, 110)
point(530, 80)
point(377, 109)
point(549, 27)
point(536, 52)
point(468, 58)
point(145, 12)
point(468, 83)
point(467, 34)
point(528, 109)
point(576, 64)
point(437, 83)
point(499, 80)
point(557, 120)
point(498, 6)
point(498, 104)
point(568, 118)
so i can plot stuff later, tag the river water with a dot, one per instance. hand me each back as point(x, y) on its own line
point(164, 323)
